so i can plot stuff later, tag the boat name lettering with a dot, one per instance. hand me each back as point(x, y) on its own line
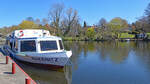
point(45, 59)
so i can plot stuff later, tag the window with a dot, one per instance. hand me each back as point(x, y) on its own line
point(48, 45)
point(61, 45)
point(28, 46)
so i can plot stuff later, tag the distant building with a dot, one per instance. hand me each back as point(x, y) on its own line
point(94, 27)
point(141, 35)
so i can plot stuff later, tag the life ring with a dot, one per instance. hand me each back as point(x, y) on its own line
point(21, 34)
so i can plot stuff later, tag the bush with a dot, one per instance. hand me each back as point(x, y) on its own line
point(148, 35)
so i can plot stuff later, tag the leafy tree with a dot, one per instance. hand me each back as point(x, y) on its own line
point(90, 33)
point(27, 24)
point(118, 23)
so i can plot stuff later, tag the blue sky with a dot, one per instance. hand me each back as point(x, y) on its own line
point(12, 12)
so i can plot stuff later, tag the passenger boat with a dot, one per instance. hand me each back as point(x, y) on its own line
point(37, 47)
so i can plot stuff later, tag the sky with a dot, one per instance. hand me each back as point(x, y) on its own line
point(12, 12)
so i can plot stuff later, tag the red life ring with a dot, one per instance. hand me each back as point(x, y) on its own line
point(21, 34)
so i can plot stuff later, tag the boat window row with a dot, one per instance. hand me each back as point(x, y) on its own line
point(30, 46)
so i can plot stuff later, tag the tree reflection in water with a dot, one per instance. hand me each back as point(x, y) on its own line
point(118, 62)
point(48, 76)
point(98, 62)
point(116, 51)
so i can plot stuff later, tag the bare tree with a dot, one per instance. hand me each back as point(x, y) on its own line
point(37, 21)
point(55, 14)
point(102, 23)
point(70, 19)
point(44, 21)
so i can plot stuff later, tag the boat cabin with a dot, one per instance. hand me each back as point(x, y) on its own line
point(39, 41)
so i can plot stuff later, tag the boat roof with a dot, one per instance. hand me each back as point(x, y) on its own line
point(29, 33)
point(33, 34)
point(41, 38)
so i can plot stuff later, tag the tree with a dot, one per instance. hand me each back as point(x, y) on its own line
point(71, 21)
point(85, 24)
point(102, 23)
point(44, 21)
point(90, 33)
point(37, 21)
point(142, 24)
point(118, 23)
point(27, 24)
point(55, 14)
point(144, 21)
point(30, 19)
point(147, 12)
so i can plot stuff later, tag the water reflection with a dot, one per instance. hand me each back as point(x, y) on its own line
point(100, 63)
point(142, 50)
point(118, 62)
point(116, 51)
point(46, 76)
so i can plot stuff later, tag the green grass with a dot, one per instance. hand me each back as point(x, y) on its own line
point(126, 35)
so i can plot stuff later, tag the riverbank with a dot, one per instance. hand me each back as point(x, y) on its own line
point(2, 40)
point(86, 39)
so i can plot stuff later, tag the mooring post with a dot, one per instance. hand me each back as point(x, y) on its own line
point(7, 59)
point(28, 81)
point(13, 68)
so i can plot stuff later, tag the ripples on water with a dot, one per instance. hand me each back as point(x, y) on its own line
point(100, 63)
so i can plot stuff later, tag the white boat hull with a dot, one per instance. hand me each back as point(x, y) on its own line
point(60, 61)
point(58, 58)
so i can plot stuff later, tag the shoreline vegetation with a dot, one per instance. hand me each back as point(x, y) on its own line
point(66, 23)
point(84, 39)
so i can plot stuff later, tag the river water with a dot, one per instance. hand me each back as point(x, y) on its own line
point(99, 63)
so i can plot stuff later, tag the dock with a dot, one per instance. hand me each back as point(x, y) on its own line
point(11, 73)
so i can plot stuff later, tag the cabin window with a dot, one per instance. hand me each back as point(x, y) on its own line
point(48, 45)
point(28, 46)
point(61, 45)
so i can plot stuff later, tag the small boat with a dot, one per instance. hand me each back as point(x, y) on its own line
point(37, 47)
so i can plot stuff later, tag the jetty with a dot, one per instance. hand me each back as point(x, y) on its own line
point(11, 73)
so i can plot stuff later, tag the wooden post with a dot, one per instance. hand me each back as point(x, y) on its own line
point(28, 81)
point(13, 68)
point(7, 59)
